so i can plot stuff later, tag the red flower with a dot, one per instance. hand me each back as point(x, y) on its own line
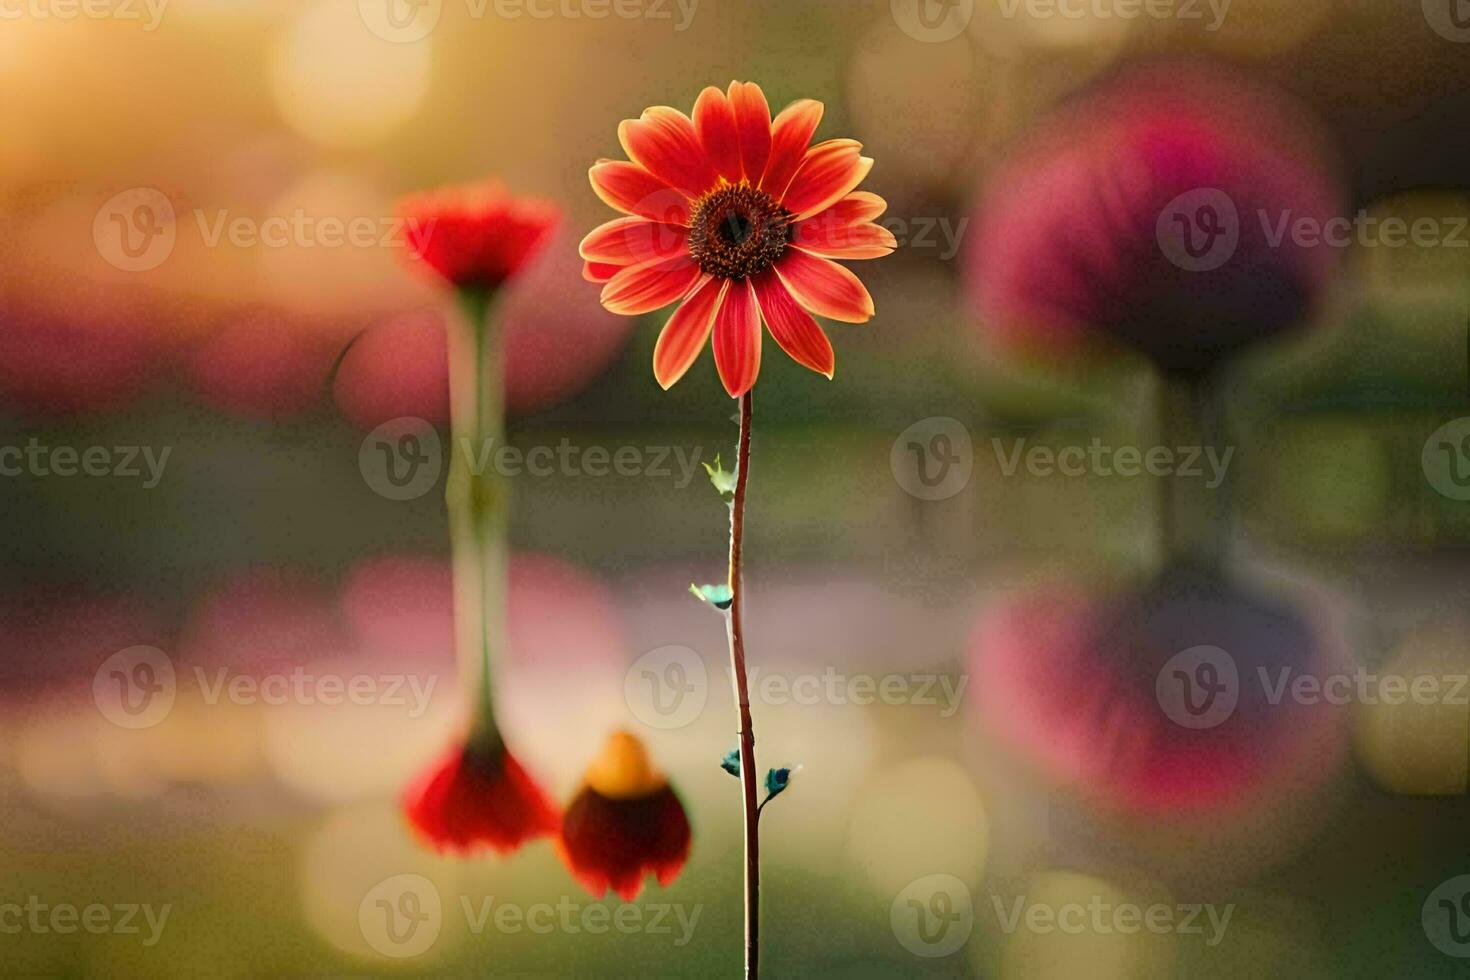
point(624, 823)
point(734, 216)
point(476, 798)
point(476, 235)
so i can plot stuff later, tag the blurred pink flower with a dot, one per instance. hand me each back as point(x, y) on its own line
point(1148, 211)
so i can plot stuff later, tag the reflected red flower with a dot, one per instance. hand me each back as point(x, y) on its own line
point(624, 824)
point(478, 798)
point(732, 215)
point(476, 235)
point(1147, 212)
point(1097, 692)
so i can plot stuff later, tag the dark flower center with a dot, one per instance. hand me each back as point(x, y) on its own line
point(738, 231)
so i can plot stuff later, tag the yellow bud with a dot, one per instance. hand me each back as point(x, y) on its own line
point(623, 771)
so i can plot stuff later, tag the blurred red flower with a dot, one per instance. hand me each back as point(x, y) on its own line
point(733, 215)
point(625, 823)
point(1149, 212)
point(478, 797)
point(476, 235)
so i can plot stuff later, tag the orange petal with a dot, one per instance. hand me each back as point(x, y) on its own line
point(860, 240)
point(683, 337)
point(855, 207)
point(599, 271)
point(714, 121)
point(644, 288)
point(664, 143)
point(633, 241)
point(753, 120)
point(793, 327)
point(828, 172)
point(824, 287)
point(737, 340)
point(629, 188)
point(790, 134)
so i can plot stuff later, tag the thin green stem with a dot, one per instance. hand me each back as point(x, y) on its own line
point(477, 499)
point(1194, 511)
point(736, 631)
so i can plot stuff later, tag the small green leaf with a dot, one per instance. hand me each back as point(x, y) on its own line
point(718, 596)
point(731, 763)
point(776, 781)
point(723, 479)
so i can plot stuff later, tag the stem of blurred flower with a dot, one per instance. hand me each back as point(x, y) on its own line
point(1194, 516)
point(735, 629)
point(478, 504)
